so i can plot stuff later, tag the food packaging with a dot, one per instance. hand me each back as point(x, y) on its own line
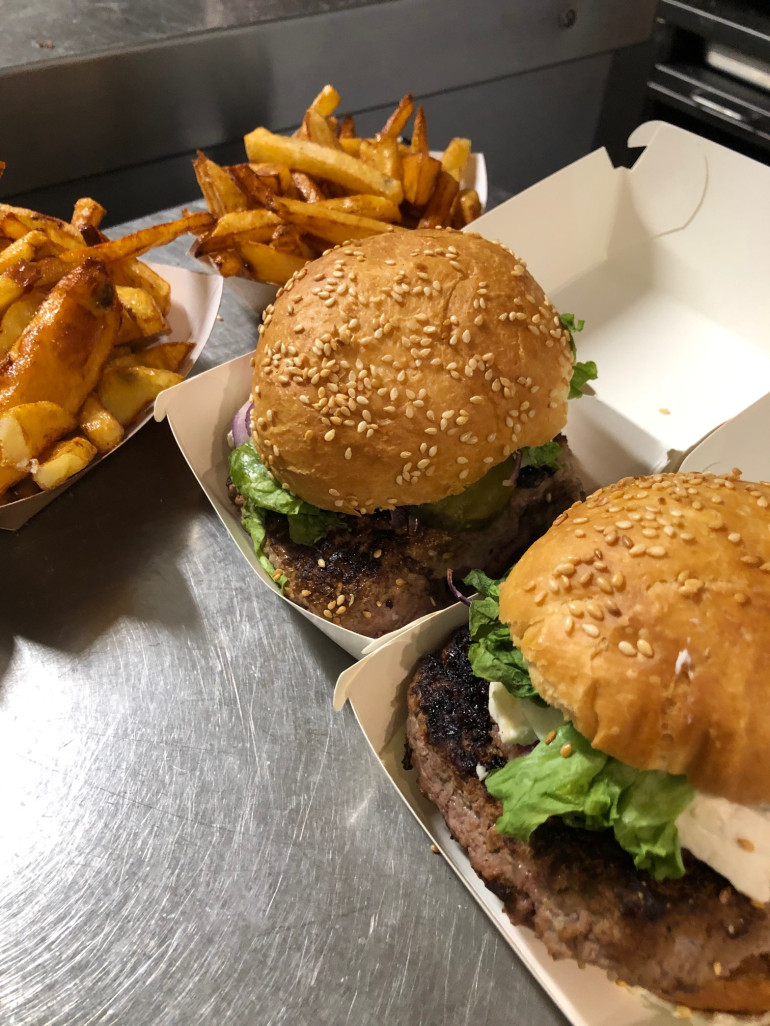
point(194, 304)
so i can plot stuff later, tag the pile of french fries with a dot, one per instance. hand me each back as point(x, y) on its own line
point(77, 314)
point(298, 195)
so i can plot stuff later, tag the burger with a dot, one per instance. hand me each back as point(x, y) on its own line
point(407, 397)
point(598, 738)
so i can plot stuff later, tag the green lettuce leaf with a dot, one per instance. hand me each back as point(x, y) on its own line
point(582, 373)
point(307, 523)
point(591, 790)
point(547, 455)
point(492, 653)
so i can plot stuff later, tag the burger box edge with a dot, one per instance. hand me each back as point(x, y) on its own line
point(195, 298)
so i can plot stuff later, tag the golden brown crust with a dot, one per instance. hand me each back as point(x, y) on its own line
point(644, 613)
point(398, 369)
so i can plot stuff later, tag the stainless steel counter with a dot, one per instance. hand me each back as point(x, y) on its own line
point(189, 834)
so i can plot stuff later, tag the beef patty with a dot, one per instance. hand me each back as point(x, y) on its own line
point(578, 890)
point(382, 571)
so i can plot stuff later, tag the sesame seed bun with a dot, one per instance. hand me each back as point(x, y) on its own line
point(397, 370)
point(643, 613)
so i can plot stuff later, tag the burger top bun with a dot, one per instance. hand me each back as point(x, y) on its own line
point(397, 369)
point(644, 614)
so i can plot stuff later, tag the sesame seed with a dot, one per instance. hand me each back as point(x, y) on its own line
point(565, 751)
point(734, 537)
point(627, 648)
point(322, 563)
point(637, 550)
point(590, 629)
point(656, 550)
point(644, 648)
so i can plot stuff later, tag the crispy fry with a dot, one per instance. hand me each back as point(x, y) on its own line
point(328, 223)
point(332, 165)
point(66, 459)
point(62, 349)
point(125, 391)
point(254, 187)
point(420, 174)
point(318, 131)
point(87, 213)
point(326, 102)
point(376, 207)
point(25, 248)
point(246, 225)
point(140, 275)
point(140, 317)
point(439, 208)
point(309, 189)
point(265, 264)
point(396, 123)
point(16, 318)
point(470, 205)
point(420, 132)
point(29, 428)
point(219, 190)
point(277, 178)
point(99, 426)
point(455, 157)
point(347, 128)
point(17, 221)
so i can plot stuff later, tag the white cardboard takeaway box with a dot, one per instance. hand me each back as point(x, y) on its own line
point(194, 304)
point(665, 261)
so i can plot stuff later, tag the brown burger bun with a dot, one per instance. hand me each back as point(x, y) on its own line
point(396, 370)
point(644, 614)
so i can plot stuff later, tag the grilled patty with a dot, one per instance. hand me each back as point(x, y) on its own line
point(578, 890)
point(384, 571)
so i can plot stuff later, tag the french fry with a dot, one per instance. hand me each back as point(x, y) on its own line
point(396, 123)
point(470, 205)
point(327, 223)
point(125, 391)
point(52, 268)
point(347, 128)
point(307, 187)
point(247, 225)
point(376, 207)
point(439, 207)
point(321, 162)
point(66, 459)
point(166, 356)
point(29, 428)
point(265, 264)
point(140, 317)
point(18, 221)
point(219, 190)
point(140, 275)
point(26, 247)
point(277, 178)
point(99, 426)
point(318, 131)
point(326, 102)
point(455, 157)
point(61, 351)
point(420, 132)
point(16, 318)
point(87, 213)
point(420, 174)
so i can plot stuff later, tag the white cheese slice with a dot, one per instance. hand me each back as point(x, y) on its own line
point(520, 721)
point(733, 839)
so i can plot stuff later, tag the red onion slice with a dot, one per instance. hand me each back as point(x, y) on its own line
point(242, 424)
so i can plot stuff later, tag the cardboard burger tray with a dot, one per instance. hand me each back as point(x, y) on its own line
point(666, 262)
